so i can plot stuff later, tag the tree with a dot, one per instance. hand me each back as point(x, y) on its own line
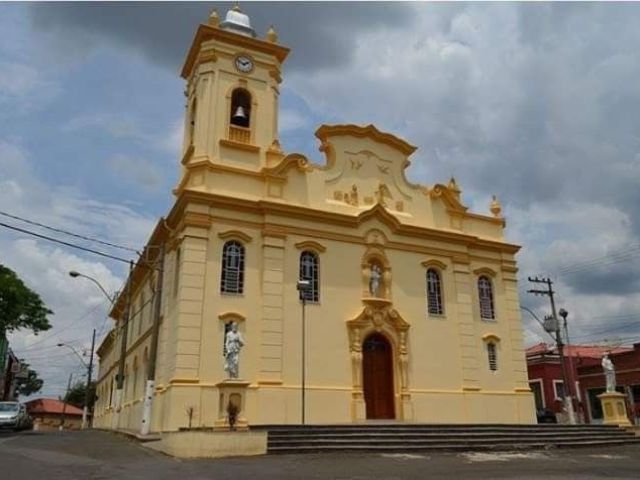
point(75, 396)
point(20, 307)
point(30, 384)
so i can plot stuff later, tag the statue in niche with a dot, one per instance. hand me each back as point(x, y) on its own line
point(233, 342)
point(609, 373)
point(375, 280)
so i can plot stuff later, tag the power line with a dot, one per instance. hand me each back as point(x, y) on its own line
point(57, 332)
point(66, 232)
point(605, 260)
point(55, 240)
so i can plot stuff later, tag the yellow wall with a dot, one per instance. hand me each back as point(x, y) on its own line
point(358, 202)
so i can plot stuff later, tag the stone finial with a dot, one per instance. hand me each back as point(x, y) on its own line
point(495, 207)
point(275, 146)
point(214, 19)
point(272, 35)
point(453, 186)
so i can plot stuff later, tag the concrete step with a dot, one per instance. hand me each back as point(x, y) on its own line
point(436, 440)
point(433, 438)
point(436, 433)
point(493, 446)
point(407, 437)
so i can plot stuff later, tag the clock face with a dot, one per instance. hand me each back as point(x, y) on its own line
point(244, 64)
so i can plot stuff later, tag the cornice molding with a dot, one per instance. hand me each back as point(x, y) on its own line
point(488, 337)
point(208, 32)
point(311, 245)
point(434, 263)
point(327, 131)
point(485, 271)
point(231, 316)
point(235, 234)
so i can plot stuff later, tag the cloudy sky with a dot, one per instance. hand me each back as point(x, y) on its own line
point(536, 103)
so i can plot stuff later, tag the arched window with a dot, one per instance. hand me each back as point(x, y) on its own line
point(240, 114)
point(434, 293)
point(232, 280)
point(492, 356)
point(485, 294)
point(309, 271)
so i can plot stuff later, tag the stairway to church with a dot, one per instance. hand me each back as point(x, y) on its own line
point(418, 437)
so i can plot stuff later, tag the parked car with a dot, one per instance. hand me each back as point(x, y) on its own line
point(545, 415)
point(14, 415)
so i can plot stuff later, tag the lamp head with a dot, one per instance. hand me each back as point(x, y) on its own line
point(59, 344)
point(74, 274)
point(563, 313)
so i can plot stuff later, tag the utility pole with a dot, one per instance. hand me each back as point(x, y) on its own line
point(153, 354)
point(123, 349)
point(555, 327)
point(87, 395)
point(64, 403)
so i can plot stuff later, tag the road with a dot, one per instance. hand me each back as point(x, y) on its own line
point(93, 455)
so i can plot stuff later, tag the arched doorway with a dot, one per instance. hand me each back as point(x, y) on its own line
point(377, 377)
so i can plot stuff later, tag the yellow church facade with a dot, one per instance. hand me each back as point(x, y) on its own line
point(411, 308)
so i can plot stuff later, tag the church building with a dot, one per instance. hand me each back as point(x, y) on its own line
point(356, 293)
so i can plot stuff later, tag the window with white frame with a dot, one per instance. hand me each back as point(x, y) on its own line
point(434, 292)
point(492, 356)
point(232, 276)
point(485, 295)
point(558, 389)
point(309, 266)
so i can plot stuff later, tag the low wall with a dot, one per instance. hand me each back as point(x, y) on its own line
point(208, 444)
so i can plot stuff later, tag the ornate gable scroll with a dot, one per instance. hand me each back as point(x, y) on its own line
point(366, 167)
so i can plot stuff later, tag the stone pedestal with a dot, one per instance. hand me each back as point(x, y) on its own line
point(232, 391)
point(614, 409)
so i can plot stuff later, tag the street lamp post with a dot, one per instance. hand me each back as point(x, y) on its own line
point(303, 287)
point(120, 376)
point(75, 274)
point(89, 366)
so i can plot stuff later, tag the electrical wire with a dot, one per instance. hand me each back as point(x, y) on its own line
point(66, 232)
point(57, 332)
point(602, 261)
point(55, 240)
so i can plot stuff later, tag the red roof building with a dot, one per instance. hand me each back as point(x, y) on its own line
point(47, 414)
point(584, 369)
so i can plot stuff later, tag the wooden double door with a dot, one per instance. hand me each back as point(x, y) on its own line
point(377, 377)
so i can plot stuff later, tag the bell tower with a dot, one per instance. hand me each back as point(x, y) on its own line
point(232, 89)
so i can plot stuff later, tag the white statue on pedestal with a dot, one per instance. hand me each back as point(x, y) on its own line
point(609, 373)
point(233, 342)
point(374, 281)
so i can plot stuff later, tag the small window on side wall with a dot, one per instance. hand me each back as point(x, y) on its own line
point(492, 356)
point(309, 271)
point(232, 276)
point(434, 293)
point(485, 296)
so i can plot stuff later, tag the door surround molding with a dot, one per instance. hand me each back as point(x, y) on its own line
point(378, 315)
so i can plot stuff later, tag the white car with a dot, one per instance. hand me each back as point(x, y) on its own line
point(14, 415)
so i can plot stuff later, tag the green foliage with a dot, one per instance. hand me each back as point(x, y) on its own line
point(30, 385)
point(20, 307)
point(75, 396)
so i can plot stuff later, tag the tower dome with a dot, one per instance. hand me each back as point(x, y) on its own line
point(238, 22)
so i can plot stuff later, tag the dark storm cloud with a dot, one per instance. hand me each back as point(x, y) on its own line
point(323, 32)
point(616, 280)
